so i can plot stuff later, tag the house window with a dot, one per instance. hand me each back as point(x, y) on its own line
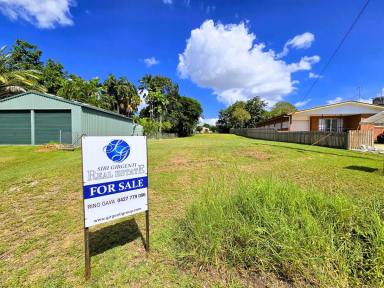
point(331, 124)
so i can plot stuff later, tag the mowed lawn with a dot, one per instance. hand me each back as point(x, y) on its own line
point(41, 214)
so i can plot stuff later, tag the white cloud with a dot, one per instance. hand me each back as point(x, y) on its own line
point(226, 59)
point(42, 13)
point(151, 61)
point(169, 2)
point(210, 121)
point(305, 63)
point(314, 75)
point(334, 101)
point(302, 41)
point(302, 103)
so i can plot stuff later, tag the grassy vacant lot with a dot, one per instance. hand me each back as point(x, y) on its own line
point(41, 240)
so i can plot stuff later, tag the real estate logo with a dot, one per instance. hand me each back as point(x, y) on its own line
point(117, 150)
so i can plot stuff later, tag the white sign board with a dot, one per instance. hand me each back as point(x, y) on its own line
point(115, 180)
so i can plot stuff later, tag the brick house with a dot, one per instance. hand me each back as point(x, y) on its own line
point(339, 117)
point(374, 123)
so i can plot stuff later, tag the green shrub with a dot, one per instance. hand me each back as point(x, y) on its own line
point(300, 236)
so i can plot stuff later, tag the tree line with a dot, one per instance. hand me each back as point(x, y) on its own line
point(21, 69)
point(248, 113)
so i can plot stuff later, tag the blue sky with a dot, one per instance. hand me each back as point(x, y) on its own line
point(235, 52)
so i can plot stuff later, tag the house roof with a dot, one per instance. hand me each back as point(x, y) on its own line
point(377, 119)
point(324, 107)
point(272, 119)
point(73, 102)
point(339, 104)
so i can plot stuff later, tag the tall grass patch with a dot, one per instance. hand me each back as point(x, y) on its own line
point(302, 236)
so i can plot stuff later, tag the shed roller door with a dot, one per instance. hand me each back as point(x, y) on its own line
point(15, 127)
point(48, 125)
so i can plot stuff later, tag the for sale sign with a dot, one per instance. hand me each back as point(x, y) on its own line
point(115, 180)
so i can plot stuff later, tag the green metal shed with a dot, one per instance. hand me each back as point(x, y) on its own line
point(38, 118)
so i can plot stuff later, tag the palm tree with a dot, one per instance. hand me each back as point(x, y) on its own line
point(125, 93)
point(14, 80)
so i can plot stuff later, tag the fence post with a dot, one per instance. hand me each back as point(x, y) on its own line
point(348, 140)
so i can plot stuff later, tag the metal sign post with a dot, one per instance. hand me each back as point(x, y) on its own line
point(147, 212)
point(87, 254)
point(147, 230)
point(115, 183)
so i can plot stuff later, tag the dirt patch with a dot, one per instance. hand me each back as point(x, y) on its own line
point(262, 156)
point(228, 277)
point(48, 148)
point(177, 164)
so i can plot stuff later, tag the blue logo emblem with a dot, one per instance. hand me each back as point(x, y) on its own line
point(117, 150)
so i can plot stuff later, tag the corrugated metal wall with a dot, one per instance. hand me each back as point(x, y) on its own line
point(53, 126)
point(97, 123)
point(15, 127)
point(75, 121)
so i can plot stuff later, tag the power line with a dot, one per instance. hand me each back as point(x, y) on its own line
point(337, 49)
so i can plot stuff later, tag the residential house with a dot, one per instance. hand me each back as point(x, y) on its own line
point(339, 117)
point(374, 123)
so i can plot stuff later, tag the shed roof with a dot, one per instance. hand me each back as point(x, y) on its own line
point(73, 102)
point(377, 119)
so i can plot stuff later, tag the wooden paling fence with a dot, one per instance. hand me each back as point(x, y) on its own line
point(356, 138)
point(346, 140)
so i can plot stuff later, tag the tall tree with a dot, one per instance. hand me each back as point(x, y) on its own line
point(227, 119)
point(14, 78)
point(241, 114)
point(224, 122)
point(25, 56)
point(125, 94)
point(78, 89)
point(53, 76)
point(159, 83)
point(186, 117)
point(160, 95)
point(240, 117)
point(157, 102)
point(256, 109)
point(282, 107)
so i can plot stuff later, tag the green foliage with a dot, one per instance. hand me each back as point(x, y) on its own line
point(14, 78)
point(126, 99)
point(25, 56)
point(224, 121)
point(165, 104)
point(78, 89)
point(22, 69)
point(166, 126)
point(303, 236)
point(185, 116)
point(256, 108)
point(158, 83)
point(151, 127)
point(53, 76)
point(157, 90)
point(241, 114)
point(281, 108)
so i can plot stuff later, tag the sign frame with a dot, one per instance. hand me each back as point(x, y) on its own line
point(87, 254)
